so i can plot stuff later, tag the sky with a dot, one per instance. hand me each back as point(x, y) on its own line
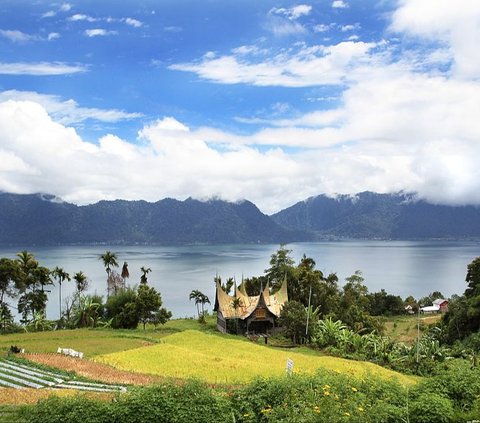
point(269, 101)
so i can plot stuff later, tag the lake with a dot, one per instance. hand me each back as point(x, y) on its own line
point(400, 267)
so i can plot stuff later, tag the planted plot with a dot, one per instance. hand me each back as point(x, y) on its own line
point(220, 359)
point(21, 376)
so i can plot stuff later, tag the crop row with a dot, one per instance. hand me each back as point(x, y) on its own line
point(21, 376)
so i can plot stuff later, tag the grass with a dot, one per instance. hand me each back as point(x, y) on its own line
point(404, 328)
point(229, 360)
point(99, 341)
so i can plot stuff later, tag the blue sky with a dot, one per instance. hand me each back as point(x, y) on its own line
point(269, 101)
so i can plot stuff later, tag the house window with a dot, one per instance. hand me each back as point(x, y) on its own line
point(260, 313)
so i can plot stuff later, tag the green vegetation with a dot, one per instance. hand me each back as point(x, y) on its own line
point(226, 359)
point(324, 396)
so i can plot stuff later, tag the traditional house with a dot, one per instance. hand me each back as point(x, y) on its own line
point(249, 314)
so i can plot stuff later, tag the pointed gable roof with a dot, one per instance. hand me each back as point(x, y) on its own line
point(248, 304)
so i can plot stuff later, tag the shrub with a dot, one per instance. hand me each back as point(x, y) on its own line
point(431, 407)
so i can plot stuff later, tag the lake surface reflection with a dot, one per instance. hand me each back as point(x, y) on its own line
point(400, 267)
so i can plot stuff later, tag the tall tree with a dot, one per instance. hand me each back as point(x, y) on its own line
point(281, 266)
point(109, 260)
point(195, 295)
point(10, 279)
point(125, 273)
point(81, 282)
point(33, 279)
point(148, 303)
point(60, 275)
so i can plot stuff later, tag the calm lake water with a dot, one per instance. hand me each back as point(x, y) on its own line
point(400, 267)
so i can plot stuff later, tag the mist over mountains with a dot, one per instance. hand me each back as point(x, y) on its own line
point(40, 219)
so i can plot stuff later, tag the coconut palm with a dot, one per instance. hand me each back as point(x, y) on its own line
point(82, 283)
point(195, 295)
point(109, 260)
point(204, 300)
point(60, 275)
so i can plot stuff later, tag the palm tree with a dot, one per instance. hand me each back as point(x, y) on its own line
point(145, 272)
point(82, 283)
point(125, 273)
point(195, 295)
point(60, 275)
point(109, 260)
point(204, 300)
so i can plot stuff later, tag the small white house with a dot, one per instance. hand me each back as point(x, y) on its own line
point(438, 306)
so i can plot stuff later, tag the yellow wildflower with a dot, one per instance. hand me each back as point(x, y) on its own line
point(326, 393)
point(360, 409)
point(316, 409)
point(347, 414)
point(354, 389)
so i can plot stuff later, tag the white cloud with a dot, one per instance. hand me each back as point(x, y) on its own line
point(339, 4)
point(323, 27)
point(66, 7)
point(81, 17)
point(350, 27)
point(99, 32)
point(308, 66)
point(292, 13)
point(133, 22)
point(53, 36)
point(173, 29)
point(53, 158)
point(457, 24)
point(68, 112)
point(40, 68)
point(16, 36)
point(49, 14)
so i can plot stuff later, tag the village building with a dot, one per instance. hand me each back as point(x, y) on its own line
point(246, 314)
point(438, 306)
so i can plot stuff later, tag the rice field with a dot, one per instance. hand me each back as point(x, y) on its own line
point(92, 370)
point(226, 360)
point(90, 342)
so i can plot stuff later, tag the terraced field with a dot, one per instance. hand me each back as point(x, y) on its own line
point(224, 359)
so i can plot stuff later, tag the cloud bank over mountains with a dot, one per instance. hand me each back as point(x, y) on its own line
point(404, 117)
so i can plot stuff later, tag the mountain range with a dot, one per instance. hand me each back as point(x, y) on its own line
point(41, 219)
point(369, 215)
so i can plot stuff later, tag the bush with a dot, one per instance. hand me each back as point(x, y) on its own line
point(431, 407)
point(121, 308)
point(78, 409)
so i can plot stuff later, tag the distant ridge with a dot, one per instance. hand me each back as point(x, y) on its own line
point(369, 215)
point(42, 219)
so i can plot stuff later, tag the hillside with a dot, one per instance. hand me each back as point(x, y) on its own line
point(45, 220)
point(383, 216)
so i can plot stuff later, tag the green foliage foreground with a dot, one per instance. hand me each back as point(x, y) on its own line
point(323, 397)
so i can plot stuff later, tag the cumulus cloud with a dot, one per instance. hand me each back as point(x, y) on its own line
point(339, 4)
point(292, 13)
point(133, 22)
point(68, 112)
point(40, 68)
point(457, 25)
point(81, 17)
point(53, 158)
